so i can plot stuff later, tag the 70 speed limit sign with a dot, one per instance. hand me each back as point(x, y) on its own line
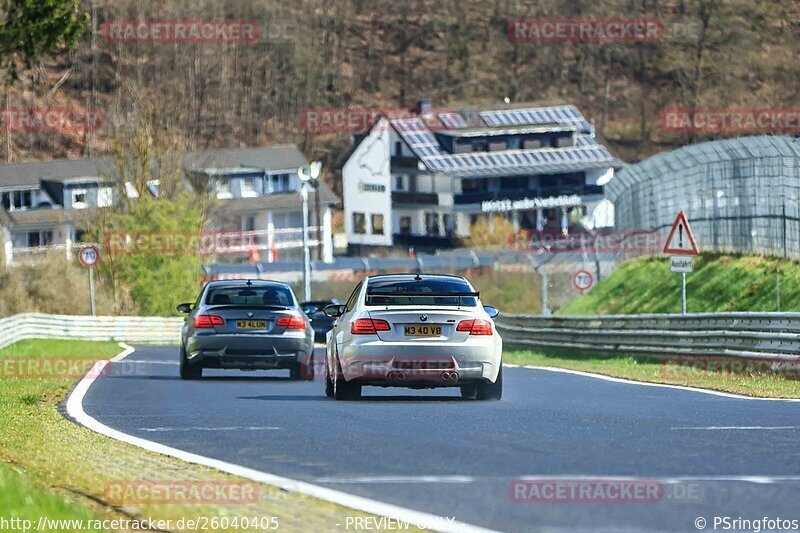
point(583, 280)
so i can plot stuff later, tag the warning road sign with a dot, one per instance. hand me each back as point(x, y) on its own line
point(680, 240)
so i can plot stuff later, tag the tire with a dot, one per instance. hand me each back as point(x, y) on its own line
point(469, 391)
point(491, 391)
point(189, 370)
point(342, 390)
point(302, 372)
point(328, 381)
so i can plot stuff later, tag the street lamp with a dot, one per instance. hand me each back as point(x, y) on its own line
point(308, 177)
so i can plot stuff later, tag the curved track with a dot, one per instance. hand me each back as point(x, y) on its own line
point(430, 451)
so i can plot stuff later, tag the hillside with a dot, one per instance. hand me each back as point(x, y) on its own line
point(382, 54)
point(718, 283)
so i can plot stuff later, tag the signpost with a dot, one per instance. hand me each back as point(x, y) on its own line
point(89, 256)
point(583, 280)
point(681, 247)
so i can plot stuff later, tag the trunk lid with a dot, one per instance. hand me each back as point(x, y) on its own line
point(250, 320)
point(420, 324)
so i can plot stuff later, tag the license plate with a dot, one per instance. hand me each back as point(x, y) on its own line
point(419, 330)
point(251, 324)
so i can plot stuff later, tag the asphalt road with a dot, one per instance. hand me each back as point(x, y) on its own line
point(430, 451)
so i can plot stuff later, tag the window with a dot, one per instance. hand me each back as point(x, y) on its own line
point(405, 225)
point(105, 196)
point(359, 223)
point(398, 148)
point(432, 224)
point(377, 224)
point(513, 143)
point(40, 238)
point(79, 198)
point(351, 302)
point(279, 183)
point(257, 295)
point(17, 200)
point(223, 188)
point(249, 223)
point(447, 221)
point(531, 144)
point(399, 183)
point(405, 287)
point(249, 187)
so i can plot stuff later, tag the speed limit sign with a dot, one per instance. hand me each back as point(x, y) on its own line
point(89, 256)
point(583, 280)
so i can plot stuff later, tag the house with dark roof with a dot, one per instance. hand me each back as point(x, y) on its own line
point(49, 205)
point(423, 180)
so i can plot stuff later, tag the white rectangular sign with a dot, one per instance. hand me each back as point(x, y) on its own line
point(681, 263)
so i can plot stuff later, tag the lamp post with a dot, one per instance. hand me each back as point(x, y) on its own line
point(308, 178)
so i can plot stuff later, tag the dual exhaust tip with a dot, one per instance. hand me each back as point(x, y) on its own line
point(446, 376)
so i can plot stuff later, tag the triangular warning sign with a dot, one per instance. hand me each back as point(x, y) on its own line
point(681, 240)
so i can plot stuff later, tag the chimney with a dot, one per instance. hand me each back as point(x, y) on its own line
point(424, 105)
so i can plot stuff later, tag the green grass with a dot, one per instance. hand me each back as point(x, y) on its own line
point(718, 283)
point(31, 430)
point(750, 382)
point(51, 467)
point(19, 498)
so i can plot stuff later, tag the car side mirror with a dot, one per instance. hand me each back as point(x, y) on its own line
point(333, 310)
point(185, 308)
point(491, 311)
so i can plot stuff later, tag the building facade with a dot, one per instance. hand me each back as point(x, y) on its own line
point(49, 205)
point(423, 181)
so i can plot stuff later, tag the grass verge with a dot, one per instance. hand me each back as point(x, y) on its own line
point(51, 467)
point(750, 382)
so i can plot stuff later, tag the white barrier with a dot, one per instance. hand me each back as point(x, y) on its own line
point(101, 328)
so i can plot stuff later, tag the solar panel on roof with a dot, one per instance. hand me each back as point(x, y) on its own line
point(452, 120)
point(567, 115)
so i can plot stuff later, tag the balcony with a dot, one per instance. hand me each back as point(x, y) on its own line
point(415, 198)
point(517, 194)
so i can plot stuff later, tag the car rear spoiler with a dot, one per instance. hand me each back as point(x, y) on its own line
point(418, 294)
point(248, 306)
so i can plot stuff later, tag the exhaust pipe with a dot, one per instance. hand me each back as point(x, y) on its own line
point(449, 376)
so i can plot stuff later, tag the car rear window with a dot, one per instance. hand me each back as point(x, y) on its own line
point(270, 295)
point(424, 291)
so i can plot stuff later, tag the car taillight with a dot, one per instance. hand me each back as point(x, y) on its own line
point(208, 321)
point(291, 322)
point(476, 326)
point(368, 326)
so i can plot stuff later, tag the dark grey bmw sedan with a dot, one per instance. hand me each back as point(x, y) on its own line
point(247, 325)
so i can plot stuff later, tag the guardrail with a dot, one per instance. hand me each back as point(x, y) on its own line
point(773, 336)
point(101, 328)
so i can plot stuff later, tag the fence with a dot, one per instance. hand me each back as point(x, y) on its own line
point(102, 328)
point(773, 336)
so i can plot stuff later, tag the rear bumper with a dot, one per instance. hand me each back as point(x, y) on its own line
point(422, 364)
point(249, 351)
